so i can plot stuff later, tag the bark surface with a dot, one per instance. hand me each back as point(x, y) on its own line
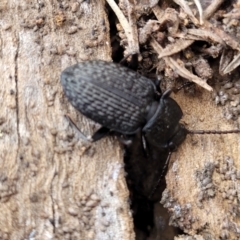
point(203, 179)
point(53, 185)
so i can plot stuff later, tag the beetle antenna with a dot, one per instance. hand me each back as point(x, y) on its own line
point(213, 131)
point(82, 136)
point(176, 90)
point(133, 63)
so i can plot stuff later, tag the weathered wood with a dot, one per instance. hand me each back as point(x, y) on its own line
point(52, 184)
point(203, 176)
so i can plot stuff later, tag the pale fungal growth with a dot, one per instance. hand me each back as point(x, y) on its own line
point(205, 182)
point(202, 68)
point(228, 95)
point(180, 215)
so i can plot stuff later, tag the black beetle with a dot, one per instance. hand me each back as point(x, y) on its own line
point(123, 101)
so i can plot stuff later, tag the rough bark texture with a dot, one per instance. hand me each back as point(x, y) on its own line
point(52, 184)
point(203, 178)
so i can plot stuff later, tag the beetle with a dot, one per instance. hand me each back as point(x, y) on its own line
point(123, 101)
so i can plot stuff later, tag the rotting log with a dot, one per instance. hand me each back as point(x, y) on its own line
point(53, 185)
point(203, 178)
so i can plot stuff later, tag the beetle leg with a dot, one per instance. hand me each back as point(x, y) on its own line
point(186, 84)
point(167, 93)
point(133, 63)
point(100, 133)
point(145, 146)
point(161, 176)
point(125, 140)
point(75, 126)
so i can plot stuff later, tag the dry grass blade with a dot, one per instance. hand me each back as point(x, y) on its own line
point(187, 10)
point(183, 72)
point(200, 10)
point(129, 27)
point(234, 44)
point(177, 46)
point(211, 9)
point(225, 60)
point(233, 64)
point(207, 35)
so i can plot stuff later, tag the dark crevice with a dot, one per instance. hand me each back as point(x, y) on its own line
point(17, 91)
point(151, 219)
point(117, 50)
point(142, 175)
point(53, 220)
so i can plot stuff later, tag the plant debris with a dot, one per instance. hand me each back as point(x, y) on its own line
point(170, 30)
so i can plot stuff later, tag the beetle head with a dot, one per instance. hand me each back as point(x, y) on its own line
point(166, 132)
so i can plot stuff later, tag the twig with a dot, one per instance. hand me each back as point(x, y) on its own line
point(211, 9)
point(187, 9)
point(230, 41)
point(129, 28)
point(177, 46)
point(158, 12)
point(183, 72)
point(199, 7)
point(206, 34)
point(233, 64)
